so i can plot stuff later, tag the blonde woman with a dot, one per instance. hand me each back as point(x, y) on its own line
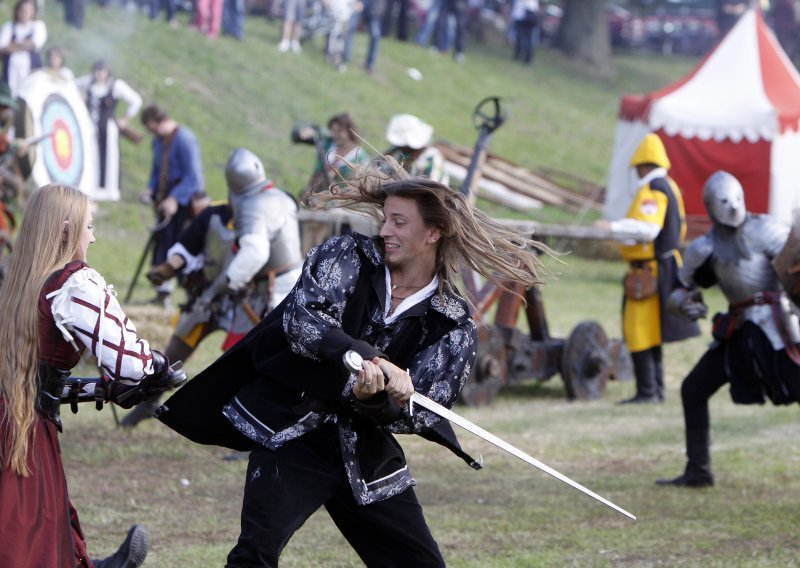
point(54, 307)
point(394, 300)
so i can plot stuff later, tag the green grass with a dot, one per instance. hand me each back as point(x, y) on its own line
point(508, 515)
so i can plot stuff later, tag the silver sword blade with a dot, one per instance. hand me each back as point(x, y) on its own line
point(437, 408)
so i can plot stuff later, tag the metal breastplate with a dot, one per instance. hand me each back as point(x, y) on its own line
point(742, 279)
point(743, 269)
point(259, 214)
point(284, 248)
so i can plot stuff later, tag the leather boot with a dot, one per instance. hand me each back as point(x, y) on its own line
point(698, 468)
point(646, 372)
point(131, 552)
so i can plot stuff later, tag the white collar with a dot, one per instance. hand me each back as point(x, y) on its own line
point(408, 302)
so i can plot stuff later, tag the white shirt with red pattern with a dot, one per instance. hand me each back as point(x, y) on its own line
point(86, 311)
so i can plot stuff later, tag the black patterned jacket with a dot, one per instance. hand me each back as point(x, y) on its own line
point(300, 381)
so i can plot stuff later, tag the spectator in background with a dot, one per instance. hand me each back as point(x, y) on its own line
point(402, 18)
point(102, 92)
point(21, 42)
point(410, 139)
point(175, 177)
point(74, 11)
point(208, 16)
point(525, 15)
point(233, 18)
point(458, 9)
point(429, 23)
point(473, 20)
point(55, 60)
point(340, 150)
point(293, 13)
point(373, 12)
point(345, 14)
point(169, 7)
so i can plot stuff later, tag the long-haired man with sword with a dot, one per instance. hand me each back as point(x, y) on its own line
point(323, 435)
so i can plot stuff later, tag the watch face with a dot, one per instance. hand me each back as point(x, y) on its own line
point(353, 360)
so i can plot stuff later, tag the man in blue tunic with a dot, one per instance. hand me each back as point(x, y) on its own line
point(176, 177)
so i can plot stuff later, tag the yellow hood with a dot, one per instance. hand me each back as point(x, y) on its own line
point(650, 151)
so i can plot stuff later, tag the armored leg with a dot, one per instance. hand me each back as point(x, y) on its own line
point(701, 383)
point(698, 467)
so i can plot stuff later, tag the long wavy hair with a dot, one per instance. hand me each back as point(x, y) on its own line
point(470, 238)
point(44, 244)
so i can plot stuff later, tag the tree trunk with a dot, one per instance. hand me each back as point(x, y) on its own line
point(583, 34)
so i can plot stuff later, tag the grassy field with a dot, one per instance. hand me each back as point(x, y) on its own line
point(247, 94)
point(507, 515)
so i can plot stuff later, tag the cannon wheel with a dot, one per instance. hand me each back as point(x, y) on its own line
point(488, 372)
point(586, 362)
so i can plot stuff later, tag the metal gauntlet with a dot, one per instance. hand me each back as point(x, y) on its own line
point(165, 377)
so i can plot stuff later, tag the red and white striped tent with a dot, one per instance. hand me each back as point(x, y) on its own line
point(738, 111)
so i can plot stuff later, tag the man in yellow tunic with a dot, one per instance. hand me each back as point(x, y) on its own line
point(656, 211)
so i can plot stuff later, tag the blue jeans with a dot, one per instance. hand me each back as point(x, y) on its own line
point(233, 18)
point(374, 25)
point(428, 27)
point(352, 26)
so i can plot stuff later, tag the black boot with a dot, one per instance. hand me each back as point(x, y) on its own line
point(141, 411)
point(131, 552)
point(698, 468)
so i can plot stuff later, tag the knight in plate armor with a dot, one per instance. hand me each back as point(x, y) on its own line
point(239, 261)
point(755, 347)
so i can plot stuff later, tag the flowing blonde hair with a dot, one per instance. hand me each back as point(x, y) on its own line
point(469, 237)
point(48, 239)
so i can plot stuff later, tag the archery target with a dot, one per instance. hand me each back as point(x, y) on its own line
point(62, 152)
point(68, 152)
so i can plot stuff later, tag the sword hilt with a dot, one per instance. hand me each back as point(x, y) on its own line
point(352, 360)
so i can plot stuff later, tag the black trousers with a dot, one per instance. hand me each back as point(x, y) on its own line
point(753, 368)
point(168, 235)
point(285, 487)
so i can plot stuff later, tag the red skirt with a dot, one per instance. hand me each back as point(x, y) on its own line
point(38, 524)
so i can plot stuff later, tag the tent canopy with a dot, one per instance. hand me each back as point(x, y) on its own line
point(738, 110)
